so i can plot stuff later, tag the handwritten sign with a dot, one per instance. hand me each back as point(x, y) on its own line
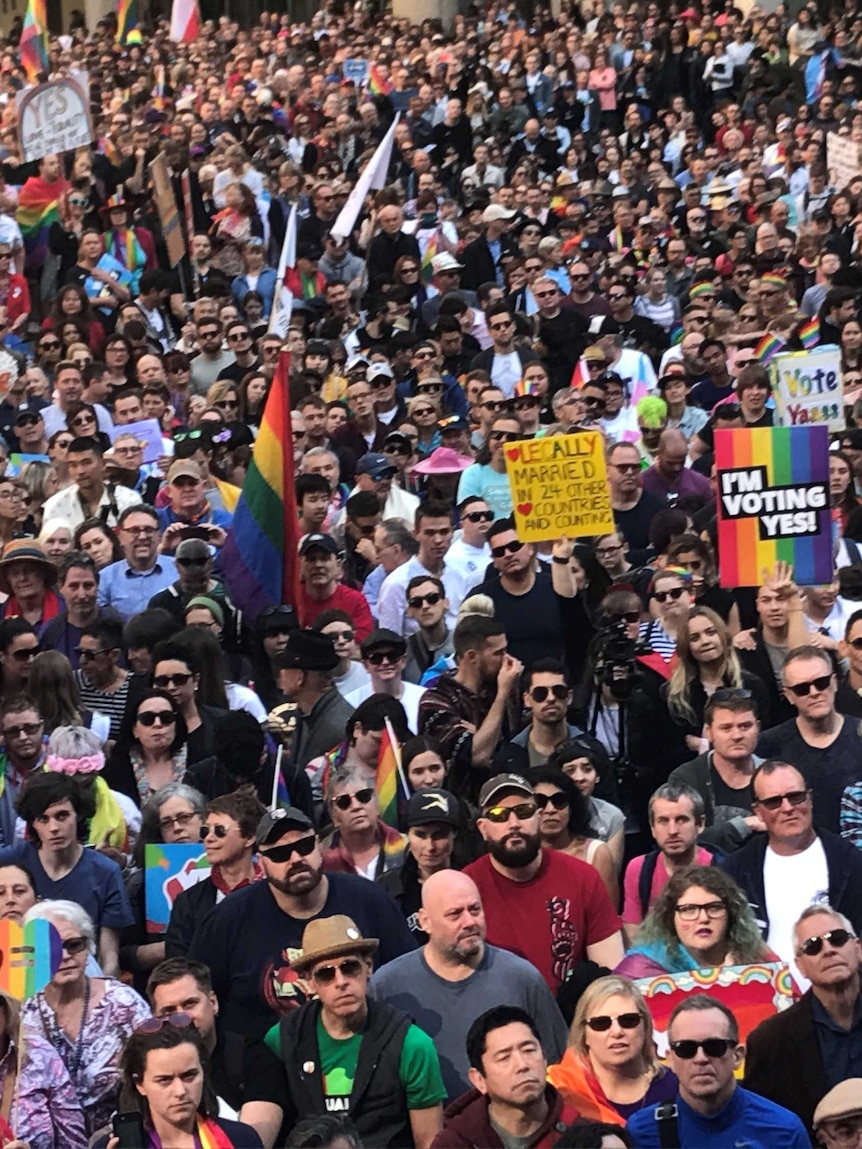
point(773, 503)
point(356, 69)
point(166, 202)
point(842, 159)
point(559, 486)
point(752, 992)
point(55, 117)
point(808, 388)
point(168, 870)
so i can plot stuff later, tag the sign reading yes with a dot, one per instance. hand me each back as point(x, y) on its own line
point(55, 117)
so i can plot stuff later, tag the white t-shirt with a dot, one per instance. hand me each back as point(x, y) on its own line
point(506, 371)
point(791, 882)
point(470, 562)
point(410, 698)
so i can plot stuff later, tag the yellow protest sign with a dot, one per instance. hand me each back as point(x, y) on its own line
point(559, 486)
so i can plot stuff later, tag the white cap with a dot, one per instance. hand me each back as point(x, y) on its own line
point(495, 212)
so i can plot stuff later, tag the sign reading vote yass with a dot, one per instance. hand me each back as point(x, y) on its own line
point(808, 388)
point(559, 486)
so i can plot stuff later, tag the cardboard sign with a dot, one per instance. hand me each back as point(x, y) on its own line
point(55, 117)
point(772, 487)
point(808, 388)
point(146, 431)
point(29, 957)
point(166, 202)
point(168, 870)
point(842, 159)
point(753, 992)
point(559, 486)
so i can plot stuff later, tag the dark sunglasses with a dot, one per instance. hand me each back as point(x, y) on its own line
point(349, 967)
point(424, 411)
point(488, 517)
point(396, 449)
point(379, 382)
point(228, 404)
point(811, 947)
point(600, 405)
point(75, 945)
point(603, 1022)
point(342, 635)
point(157, 1024)
point(421, 599)
point(506, 549)
point(540, 693)
point(494, 405)
point(803, 689)
point(302, 846)
point(711, 1046)
point(557, 801)
point(501, 814)
point(674, 593)
point(794, 797)
point(201, 562)
point(856, 643)
point(162, 717)
point(164, 680)
point(378, 657)
point(27, 420)
point(504, 436)
point(219, 831)
point(26, 655)
point(628, 616)
point(344, 801)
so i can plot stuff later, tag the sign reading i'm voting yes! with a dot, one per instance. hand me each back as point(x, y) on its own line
point(808, 388)
point(559, 486)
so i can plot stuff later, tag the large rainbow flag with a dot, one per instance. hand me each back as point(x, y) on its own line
point(259, 557)
point(38, 208)
point(773, 503)
point(128, 31)
point(33, 45)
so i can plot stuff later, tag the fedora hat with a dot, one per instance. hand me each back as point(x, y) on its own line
point(330, 938)
point(25, 550)
point(307, 650)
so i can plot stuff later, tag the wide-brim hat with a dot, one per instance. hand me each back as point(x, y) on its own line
point(330, 938)
point(114, 203)
point(443, 461)
point(25, 550)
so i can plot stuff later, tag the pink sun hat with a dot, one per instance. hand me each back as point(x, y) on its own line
point(443, 461)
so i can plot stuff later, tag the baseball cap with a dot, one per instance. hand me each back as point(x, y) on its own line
point(355, 363)
point(277, 822)
point(432, 805)
point(501, 784)
point(324, 542)
point(495, 212)
point(375, 465)
point(184, 469)
point(377, 369)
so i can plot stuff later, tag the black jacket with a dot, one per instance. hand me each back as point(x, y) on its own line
point(757, 662)
point(479, 266)
point(385, 250)
point(726, 836)
point(378, 1104)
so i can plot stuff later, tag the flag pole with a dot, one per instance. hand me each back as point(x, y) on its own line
point(396, 750)
point(276, 776)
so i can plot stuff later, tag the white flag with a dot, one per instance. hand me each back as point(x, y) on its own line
point(373, 177)
point(282, 304)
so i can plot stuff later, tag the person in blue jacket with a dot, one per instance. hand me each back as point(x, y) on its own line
point(712, 1110)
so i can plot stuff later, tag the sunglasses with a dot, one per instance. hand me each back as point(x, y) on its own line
point(424, 411)
point(674, 593)
point(325, 974)
point(504, 436)
point(488, 517)
point(711, 1046)
point(344, 801)
point(50, 346)
point(201, 562)
point(494, 405)
point(527, 403)
point(794, 797)
point(165, 680)
point(600, 405)
point(378, 657)
point(501, 814)
point(421, 599)
point(540, 693)
point(381, 381)
point(228, 404)
point(302, 846)
point(26, 655)
point(728, 693)
point(157, 1024)
point(803, 689)
point(162, 717)
point(811, 947)
point(27, 420)
point(429, 388)
point(235, 336)
point(603, 1022)
point(557, 801)
point(219, 831)
point(341, 635)
point(505, 326)
point(28, 728)
point(75, 945)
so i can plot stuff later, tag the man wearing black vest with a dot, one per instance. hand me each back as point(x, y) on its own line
point(352, 1056)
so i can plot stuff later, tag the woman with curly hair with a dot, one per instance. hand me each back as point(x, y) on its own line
point(71, 303)
point(564, 823)
point(700, 920)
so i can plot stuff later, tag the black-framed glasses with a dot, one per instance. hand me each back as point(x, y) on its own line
point(26, 655)
point(603, 1021)
point(28, 728)
point(506, 549)
point(540, 693)
point(27, 420)
point(178, 820)
point(420, 600)
point(88, 655)
point(218, 829)
point(378, 657)
point(794, 797)
point(192, 562)
point(711, 1046)
point(557, 801)
point(675, 593)
point(302, 847)
point(348, 967)
point(504, 436)
point(162, 681)
point(690, 911)
point(154, 717)
point(485, 517)
point(523, 811)
point(837, 938)
point(803, 689)
point(345, 801)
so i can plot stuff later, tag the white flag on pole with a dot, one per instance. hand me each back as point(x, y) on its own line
point(373, 177)
point(282, 304)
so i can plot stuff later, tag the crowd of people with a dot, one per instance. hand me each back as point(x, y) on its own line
point(612, 767)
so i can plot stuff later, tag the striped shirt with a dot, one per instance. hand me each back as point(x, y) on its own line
point(110, 703)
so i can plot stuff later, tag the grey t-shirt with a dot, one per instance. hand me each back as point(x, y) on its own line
point(447, 1009)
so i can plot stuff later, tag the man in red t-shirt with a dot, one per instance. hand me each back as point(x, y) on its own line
point(321, 587)
point(541, 904)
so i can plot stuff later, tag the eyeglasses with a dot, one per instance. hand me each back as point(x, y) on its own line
point(218, 829)
point(711, 1046)
point(603, 1022)
point(504, 436)
point(794, 797)
point(540, 693)
point(527, 403)
point(803, 689)
point(811, 947)
point(378, 657)
point(302, 847)
point(501, 814)
point(689, 912)
point(502, 326)
point(164, 680)
point(421, 599)
point(228, 404)
point(87, 655)
point(157, 1024)
point(63, 443)
point(28, 728)
point(506, 549)
point(75, 945)
point(661, 596)
point(345, 801)
point(616, 296)
point(325, 974)
point(557, 801)
point(162, 717)
point(488, 517)
point(609, 550)
point(429, 388)
point(189, 562)
point(178, 820)
point(144, 532)
point(27, 420)
point(26, 655)
point(50, 345)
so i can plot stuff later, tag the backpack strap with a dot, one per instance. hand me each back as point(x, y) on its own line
point(667, 1116)
point(645, 881)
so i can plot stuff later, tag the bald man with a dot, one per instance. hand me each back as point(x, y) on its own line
point(456, 976)
point(669, 477)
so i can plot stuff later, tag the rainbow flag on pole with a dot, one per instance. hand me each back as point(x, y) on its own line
point(259, 557)
point(128, 31)
point(33, 45)
point(389, 773)
point(378, 85)
point(768, 347)
point(431, 250)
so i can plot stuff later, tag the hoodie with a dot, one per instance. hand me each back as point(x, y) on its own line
point(467, 1123)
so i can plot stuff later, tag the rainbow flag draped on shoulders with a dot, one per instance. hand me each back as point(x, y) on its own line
point(38, 208)
point(212, 1136)
point(259, 557)
point(33, 45)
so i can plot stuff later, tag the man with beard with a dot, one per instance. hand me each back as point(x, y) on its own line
point(542, 904)
point(251, 940)
point(456, 976)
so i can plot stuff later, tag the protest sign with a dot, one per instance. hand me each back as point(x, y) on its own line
point(752, 992)
point(842, 159)
point(166, 202)
point(356, 70)
point(168, 870)
point(772, 486)
point(29, 957)
point(559, 486)
point(808, 388)
point(148, 432)
point(55, 117)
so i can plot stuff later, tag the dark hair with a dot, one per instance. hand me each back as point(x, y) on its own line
point(432, 509)
point(422, 744)
point(148, 628)
point(28, 874)
point(180, 732)
point(75, 559)
point(175, 968)
point(171, 650)
point(84, 444)
point(242, 804)
point(94, 524)
point(138, 509)
point(495, 1018)
point(17, 704)
point(133, 1064)
point(372, 713)
point(666, 525)
point(12, 628)
point(322, 1132)
point(579, 748)
point(315, 484)
point(417, 580)
point(334, 615)
point(500, 527)
point(544, 666)
point(108, 631)
point(579, 810)
point(473, 631)
point(738, 704)
point(361, 505)
point(699, 1003)
point(46, 789)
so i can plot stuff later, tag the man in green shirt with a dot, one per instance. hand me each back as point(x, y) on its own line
point(353, 1057)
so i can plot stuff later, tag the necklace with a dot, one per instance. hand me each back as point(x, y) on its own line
point(61, 1042)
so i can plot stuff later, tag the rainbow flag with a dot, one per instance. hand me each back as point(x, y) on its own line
point(212, 1136)
point(128, 31)
point(259, 557)
point(159, 90)
point(386, 780)
point(32, 955)
point(809, 334)
point(769, 346)
point(773, 503)
point(38, 208)
point(378, 85)
point(33, 45)
point(430, 251)
point(580, 375)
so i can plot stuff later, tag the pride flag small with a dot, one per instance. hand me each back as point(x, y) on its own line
point(580, 375)
point(378, 85)
point(388, 774)
point(33, 45)
point(430, 251)
point(768, 347)
point(809, 333)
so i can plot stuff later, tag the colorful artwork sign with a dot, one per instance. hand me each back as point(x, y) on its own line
point(29, 957)
point(772, 487)
point(559, 486)
point(809, 389)
point(168, 870)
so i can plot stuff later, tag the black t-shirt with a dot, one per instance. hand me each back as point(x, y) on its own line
point(635, 522)
point(729, 803)
point(244, 1071)
point(249, 944)
point(532, 621)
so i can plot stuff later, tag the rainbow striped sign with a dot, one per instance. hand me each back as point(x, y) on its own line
point(772, 486)
point(29, 957)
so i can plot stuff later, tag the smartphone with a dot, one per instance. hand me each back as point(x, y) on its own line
point(195, 533)
point(129, 1130)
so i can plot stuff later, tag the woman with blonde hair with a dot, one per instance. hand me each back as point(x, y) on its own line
point(610, 1069)
point(424, 411)
point(223, 397)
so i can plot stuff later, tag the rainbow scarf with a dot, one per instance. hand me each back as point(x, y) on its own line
point(809, 333)
point(123, 245)
point(574, 1078)
point(38, 208)
point(768, 347)
point(209, 1133)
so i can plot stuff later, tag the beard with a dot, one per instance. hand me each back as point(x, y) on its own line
point(524, 854)
point(297, 882)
